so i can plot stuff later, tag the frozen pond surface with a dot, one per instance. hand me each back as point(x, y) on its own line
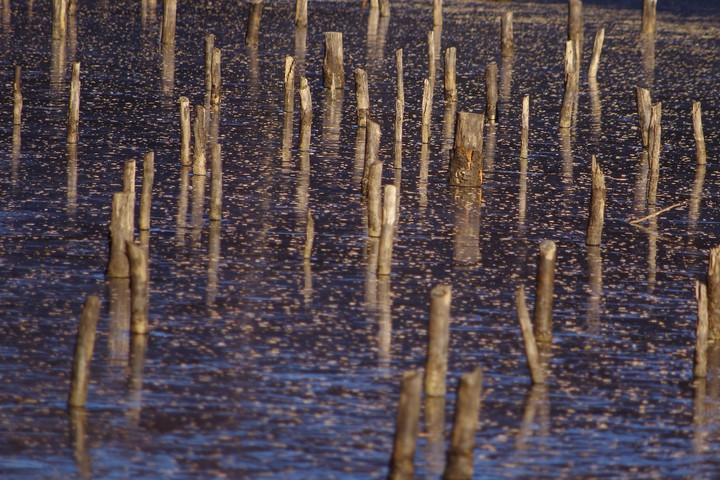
point(260, 365)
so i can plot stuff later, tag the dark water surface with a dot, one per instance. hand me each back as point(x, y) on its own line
point(259, 365)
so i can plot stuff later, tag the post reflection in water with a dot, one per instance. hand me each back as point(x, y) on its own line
point(522, 193)
point(197, 207)
point(16, 154)
point(359, 155)
point(300, 50)
point(371, 290)
point(332, 116)
point(467, 204)
point(567, 154)
point(287, 138)
point(78, 440)
point(58, 63)
point(119, 321)
point(595, 113)
point(652, 251)
point(647, 50)
point(424, 172)
point(536, 416)
point(372, 36)
point(138, 348)
point(504, 95)
point(696, 199)
point(213, 261)
point(181, 218)
point(303, 186)
point(594, 314)
point(72, 44)
point(448, 127)
point(435, 431)
point(307, 290)
point(254, 70)
point(72, 179)
point(168, 68)
point(384, 321)
point(640, 195)
point(489, 149)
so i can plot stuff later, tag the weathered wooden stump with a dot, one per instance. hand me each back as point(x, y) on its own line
point(185, 160)
point(169, 22)
point(525, 127)
point(462, 439)
point(507, 42)
point(649, 8)
point(333, 67)
point(289, 84)
point(121, 231)
point(406, 428)
point(466, 157)
point(306, 115)
point(252, 34)
point(597, 205)
point(491, 93)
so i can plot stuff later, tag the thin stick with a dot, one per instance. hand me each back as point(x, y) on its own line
point(74, 105)
point(531, 351)
point(185, 132)
point(84, 346)
point(199, 156)
point(700, 153)
point(450, 85)
point(655, 214)
point(525, 130)
point(713, 292)
point(399, 69)
point(363, 96)
point(146, 192)
point(216, 182)
point(306, 115)
point(491, 93)
point(426, 111)
point(374, 200)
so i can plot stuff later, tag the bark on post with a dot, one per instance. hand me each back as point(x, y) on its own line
point(169, 21)
point(363, 96)
point(399, 69)
point(466, 157)
point(406, 427)
point(17, 96)
point(701, 331)
point(199, 151)
point(654, 147)
point(525, 129)
point(571, 85)
point(713, 293)
point(644, 107)
point(216, 79)
point(597, 205)
point(74, 105)
point(84, 346)
point(209, 47)
point(372, 149)
point(333, 69)
point(506, 34)
point(491, 93)
point(450, 86)
point(146, 192)
point(649, 8)
point(216, 182)
point(121, 231)
point(387, 233)
point(426, 111)
point(301, 13)
point(700, 153)
point(185, 160)
point(462, 439)
point(437, 12)
point(306, 115)
point(138, 262)
point(289, 104)
point(597, 50)
point(309, 236)
point(544, 292)
point(252, 34)
point(531, 351)
point(374, 199)
point(438, 341)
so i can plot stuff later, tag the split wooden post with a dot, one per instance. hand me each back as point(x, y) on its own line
point(531, 351)
point(306, 115)
point(333, 67)
point(701, 331)
point(426, 111)
point(462, 439)
point(216, 182)
point(525, 129)
point(374, 199)
point(200, 146)
point(252, 34)
point(372, 153)
point(74, 105)
point(138, 262)
point(437, 12)
point(185, 160)
point(289, 104)
point(146, 192)
point(384, 8)
point(466, 157)
point(387, 232)
point(491, 93)
point(644, 107)
point(438, 341)
point(431, 57)
point(59, 19)
point(301, 13)
point(216, 79)
point(700, 153)
point(169, 21)
point(17, 96)
point(649, 8)
point(309, 236)
point(400, 81)
point(209, 47)
point(129, 174)
point(597, 50)
point(450, 84)
point(406, 427)
point(597, 205)
point(121, 231)
point(654, 147)
point(571, 85)
point(713, 293)
point(506, 34)
point(363, 96)
point(547, 259)
point(84, 346)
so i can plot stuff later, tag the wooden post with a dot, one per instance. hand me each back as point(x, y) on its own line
point(575, 21)
point(525, 129)
point(400, 81)
point(654, 147)
point(301, 13)
point(450, 86)
point(216, 79)
point(374, 199)
point(333, 69)
point(544, 292)
point(701, 331)
point(466, 157)
point(59, 19)
point(216, 182)
point(253, 24)
point(74, 105)
point(399, 114)
point(700, 154)
point(462, 439)
point(597, 205)
point(121, 231)
point(384, 8)
point(138, 262)
point(146, 192)
point(597, 50)
point(362, 95)
point(169, 20)
point(644, 107)
point(713, 294)
point(209, 47)
point(387, 232)
point(306, 115)
point(185, 132)
point(84, 346)
point(406, 427)
point(129, 170)
point(289, 83)
point(506, 34)
point(437, 12)
point(372, 148)
point(571, 85)
point(531, 351)
point(199, 157)
point(17, 96)
point(309, 236)
point(426, 111)
point(438, 341)
point(648, 16)
point(491, 93)
point(431, 57)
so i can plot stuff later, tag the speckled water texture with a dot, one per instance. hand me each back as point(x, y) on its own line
point(262, 366)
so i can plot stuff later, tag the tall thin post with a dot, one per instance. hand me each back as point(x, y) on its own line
point(59, 19)
point(84, 346)
point(437, 12)
point(306, 115)
point(701, 331)
point(200, 146)
point(713, 292)
point(491, 93)
point(252, 34)
point(438, 341)
point(544, 292)
point(121, 231)
point(700, 153)
point(654, 148)
point(649, 8)
point(169, 20)
point(644, 107)
point(450, 86)
point(374, 199)
point(363, 96)
point(309, 236)
point(216, 79)
point(431, 57)
point(372, 149)
point(289, 104)
point(74, 105)
point(426, 111)
point(146, 192)
point(525, 129)
point(209, 47)
point(301, 13)
point(399, 69)
point(462, 439)
point(216, 182)
point(571, 85)
point(406, 427)
point(185, 160)
point(597, 50)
